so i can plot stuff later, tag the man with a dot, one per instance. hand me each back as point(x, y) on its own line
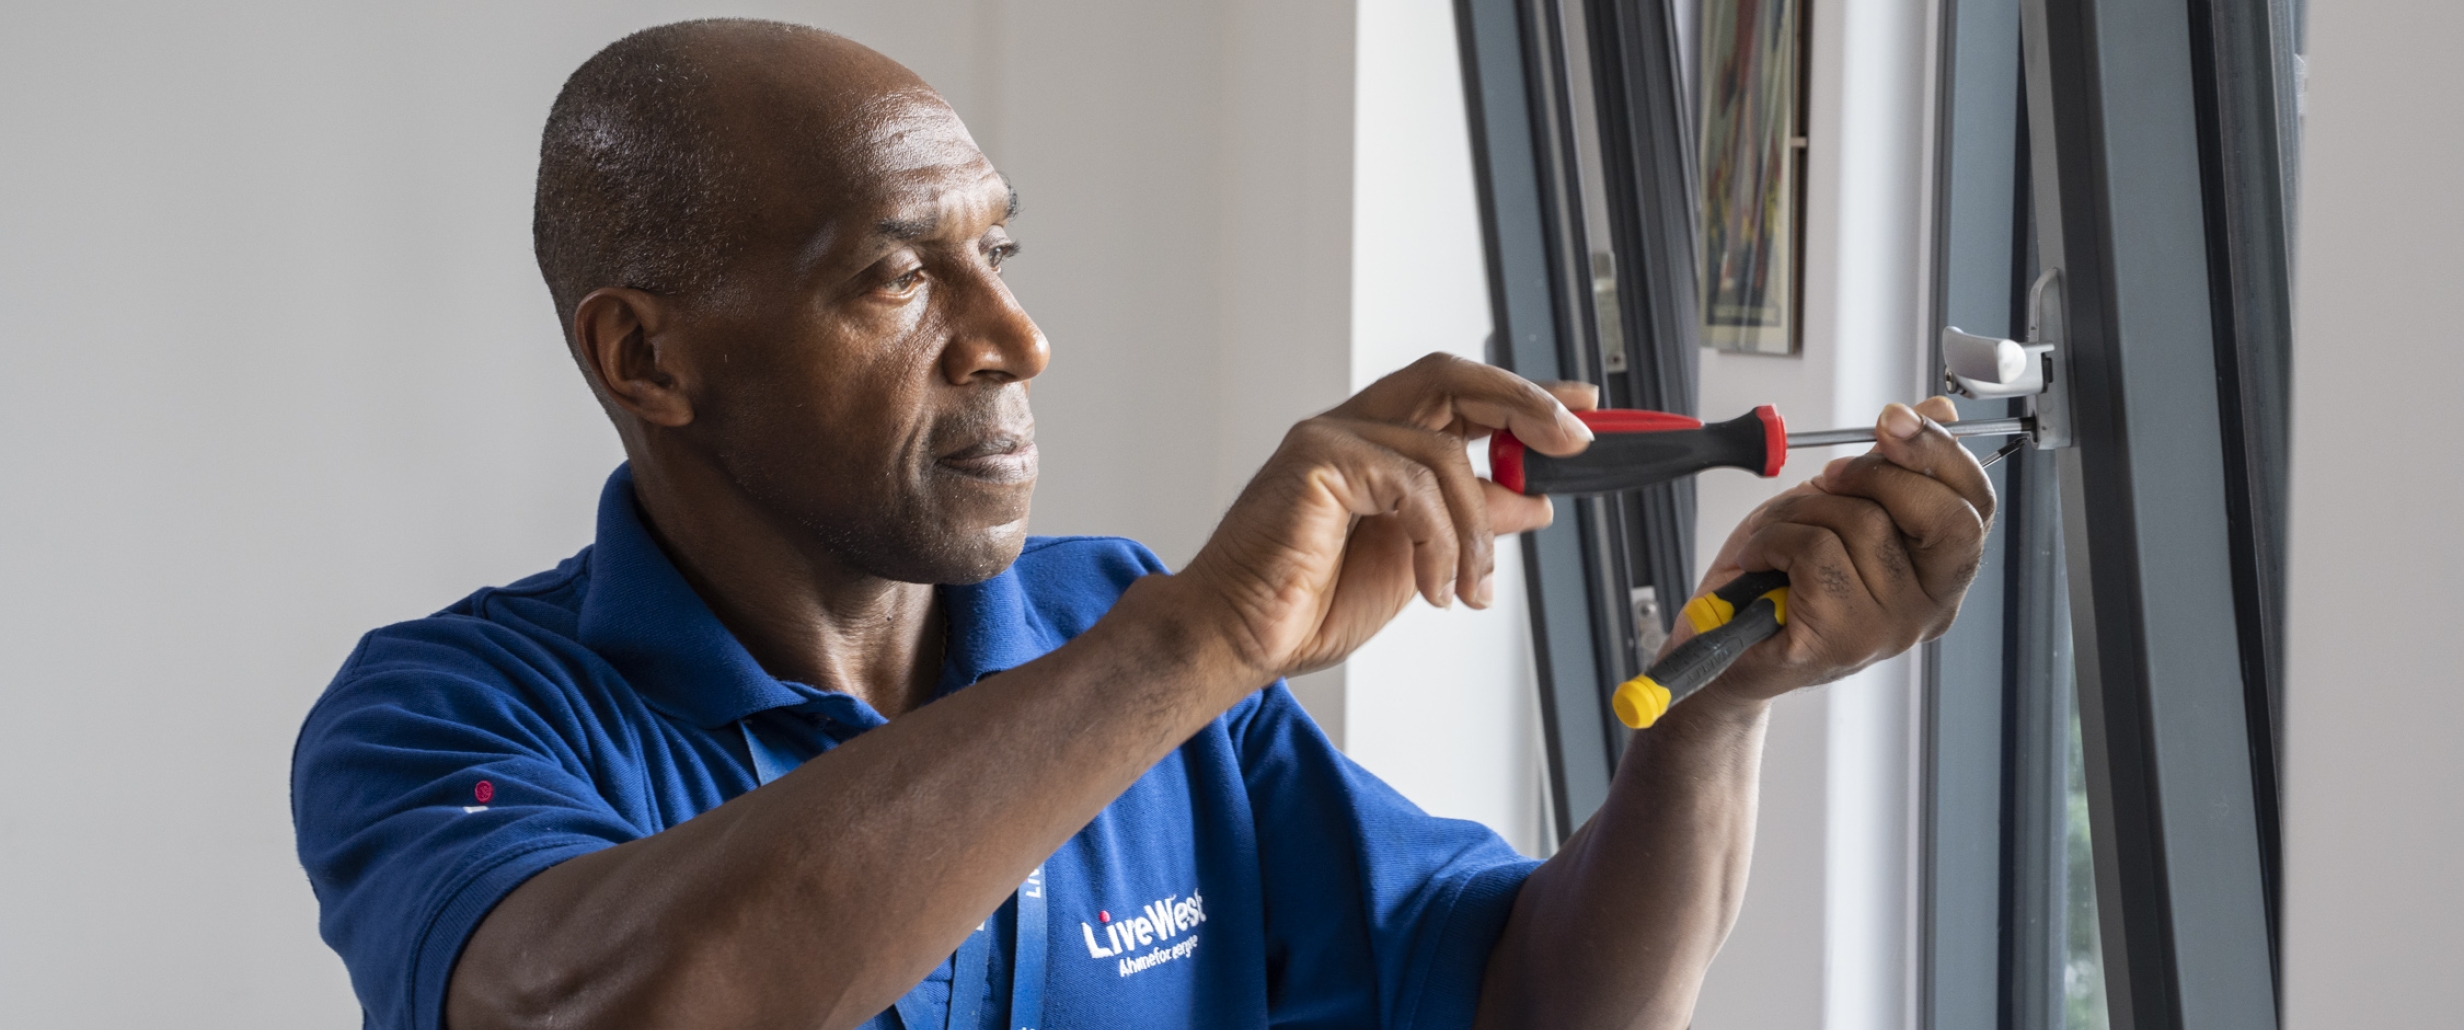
point(816, 736)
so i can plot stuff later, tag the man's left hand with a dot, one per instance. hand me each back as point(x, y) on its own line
point(1879, 550)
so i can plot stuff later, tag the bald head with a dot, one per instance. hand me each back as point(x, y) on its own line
point(663, 150)
point(777, 257)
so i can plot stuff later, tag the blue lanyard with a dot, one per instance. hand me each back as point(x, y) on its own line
point(972, 966)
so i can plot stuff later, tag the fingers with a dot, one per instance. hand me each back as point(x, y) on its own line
point(1942, 534)
point(1442, 391)
point(1918, 443)
point(1829, 607)
point(1577, 396)
point(1460, 498)
point(1476, 509)
point(1942, 525)
point(1373, 481)
point(1870, 538)
point(1511, 513)
point(1815, 559)
point(1422, 481)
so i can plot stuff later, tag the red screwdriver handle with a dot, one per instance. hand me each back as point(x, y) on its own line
point(1632, 448)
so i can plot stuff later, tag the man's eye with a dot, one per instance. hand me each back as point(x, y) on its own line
point(905, 282)
point(1001, 253)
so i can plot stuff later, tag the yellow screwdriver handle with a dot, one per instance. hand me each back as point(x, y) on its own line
point(1740, 614)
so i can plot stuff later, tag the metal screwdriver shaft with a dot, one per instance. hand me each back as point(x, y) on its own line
point(1972, 427)
point(1634, 449)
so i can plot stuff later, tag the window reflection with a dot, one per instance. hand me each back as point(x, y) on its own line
point(2083, 965)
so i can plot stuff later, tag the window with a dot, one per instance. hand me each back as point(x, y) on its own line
point(2099, 818)
point(2136, 865)
point(1586, 195)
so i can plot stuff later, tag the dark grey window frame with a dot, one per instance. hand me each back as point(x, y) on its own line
point(2167, 215)
point(2169, 618)
point(1997, 688)
point(1582, 570)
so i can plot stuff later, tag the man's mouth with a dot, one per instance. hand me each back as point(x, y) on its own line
point(1001, 458)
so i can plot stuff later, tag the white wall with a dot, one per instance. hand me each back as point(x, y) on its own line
point(1442, 704)
point(2372, 715)
point(287, 373)
point(1825, 935)
point(1183, 173)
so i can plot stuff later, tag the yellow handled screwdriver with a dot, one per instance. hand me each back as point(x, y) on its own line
point(1743, 612)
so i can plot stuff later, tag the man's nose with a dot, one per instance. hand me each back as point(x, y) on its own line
point(992, 337)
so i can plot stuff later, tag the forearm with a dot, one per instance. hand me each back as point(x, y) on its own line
point(827, 894)
point(1619, 927)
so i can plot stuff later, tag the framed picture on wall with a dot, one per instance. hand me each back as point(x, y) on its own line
point(1753, 147)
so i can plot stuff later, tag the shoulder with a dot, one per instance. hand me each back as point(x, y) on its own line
point(499, 647)
point(519, 621)
point(1095, 566)
point(1083, 554)
point(1068, 582)
point(546, 601)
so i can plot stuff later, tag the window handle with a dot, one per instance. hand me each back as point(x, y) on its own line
point(1986, 367)
point(1983, 367)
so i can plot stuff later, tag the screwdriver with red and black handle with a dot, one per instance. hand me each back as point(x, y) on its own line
point(1631, 449)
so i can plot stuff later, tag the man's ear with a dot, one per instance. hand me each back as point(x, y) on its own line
point(616, 334)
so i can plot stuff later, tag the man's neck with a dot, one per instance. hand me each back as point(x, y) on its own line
point(803, 613)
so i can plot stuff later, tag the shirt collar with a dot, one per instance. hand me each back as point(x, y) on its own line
point(640, 614)
point(992, 628)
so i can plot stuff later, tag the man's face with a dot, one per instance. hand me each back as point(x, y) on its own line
point(863, 368)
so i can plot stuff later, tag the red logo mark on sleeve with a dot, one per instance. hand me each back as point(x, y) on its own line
point(484, 791)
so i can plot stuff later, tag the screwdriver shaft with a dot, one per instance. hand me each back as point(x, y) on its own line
point(1972, 427)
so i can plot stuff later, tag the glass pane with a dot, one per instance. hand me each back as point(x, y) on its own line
point(1590, 195)
point(2079, 951)
point(2083, 966)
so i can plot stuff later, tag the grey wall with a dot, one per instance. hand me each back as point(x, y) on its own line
point(2374, 908)
point(283, 372)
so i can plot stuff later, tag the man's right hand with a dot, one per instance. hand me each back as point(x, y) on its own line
point(1369, 503)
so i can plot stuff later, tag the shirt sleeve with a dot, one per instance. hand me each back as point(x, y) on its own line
point(1377, 913)
point(427, 785)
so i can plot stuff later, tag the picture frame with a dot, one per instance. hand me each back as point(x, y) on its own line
point(1752, 151)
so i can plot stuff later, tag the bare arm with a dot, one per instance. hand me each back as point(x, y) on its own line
point(826, 895)
point(821, 898)
point(1880, 550)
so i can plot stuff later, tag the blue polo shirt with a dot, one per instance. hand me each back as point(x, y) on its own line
point(458, 755)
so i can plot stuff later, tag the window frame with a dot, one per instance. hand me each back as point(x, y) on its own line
point(2180, 787)
point(2173, 320)
point(1526, 153)
point(1993, 762)
point(2144, 559)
